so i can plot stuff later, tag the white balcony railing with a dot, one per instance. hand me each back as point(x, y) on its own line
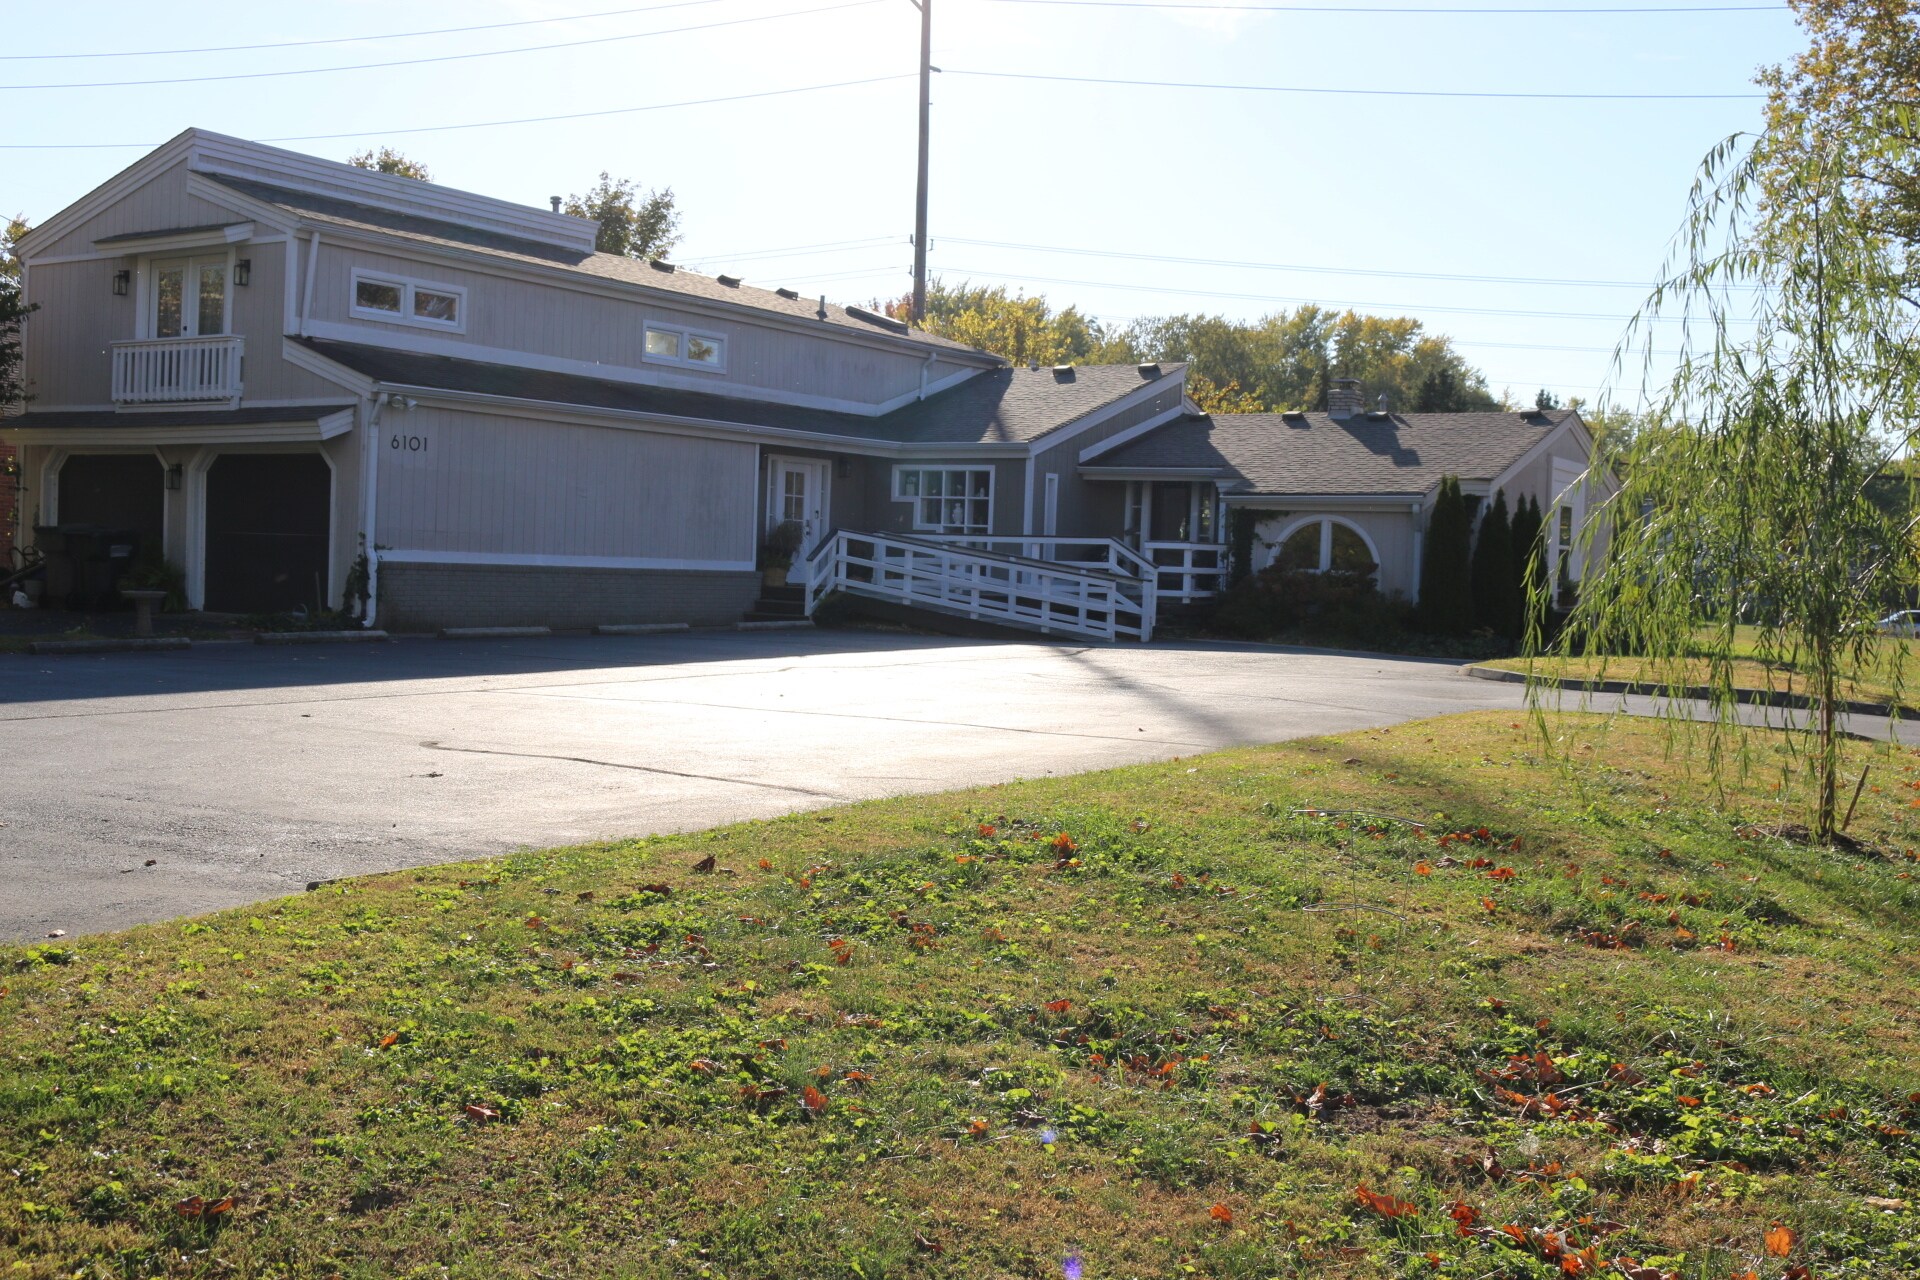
point(177, 370)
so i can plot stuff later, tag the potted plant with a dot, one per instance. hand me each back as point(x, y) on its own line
point(777, 552)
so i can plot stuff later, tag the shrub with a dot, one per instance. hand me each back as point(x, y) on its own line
point(1446, 589)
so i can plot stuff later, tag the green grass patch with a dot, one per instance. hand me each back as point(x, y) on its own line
point(1159, 1021)
point(1888, 675)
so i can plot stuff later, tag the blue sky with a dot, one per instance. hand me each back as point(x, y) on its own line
point(1343, 199)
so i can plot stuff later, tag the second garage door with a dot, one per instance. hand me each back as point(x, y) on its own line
point(268, 521)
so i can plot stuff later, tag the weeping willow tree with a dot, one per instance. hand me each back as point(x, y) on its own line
point(1742, 527)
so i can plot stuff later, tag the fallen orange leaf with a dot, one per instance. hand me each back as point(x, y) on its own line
point(1780, 1240)
point(1221, 1213)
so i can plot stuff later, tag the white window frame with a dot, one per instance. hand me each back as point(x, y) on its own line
point(916, 498)
point(1326, 524)
point(680, 361)
point(406, 285)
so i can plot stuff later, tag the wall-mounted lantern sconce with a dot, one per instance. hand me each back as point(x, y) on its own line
point(122, 281)
point(243, 271)
point(173, 478)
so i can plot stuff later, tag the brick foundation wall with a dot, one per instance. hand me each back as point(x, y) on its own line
point(423, 597)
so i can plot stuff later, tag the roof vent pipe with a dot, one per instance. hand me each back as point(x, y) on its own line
point(1381, 404)
point(1343, 398)
point(822, 313)
point(556, 203)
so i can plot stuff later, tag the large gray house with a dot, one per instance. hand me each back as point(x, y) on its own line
point(302, 381)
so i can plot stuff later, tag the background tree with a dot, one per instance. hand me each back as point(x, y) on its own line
point(387, 160)
point(1752, 503)
point(13, 314)
point(1544, 400)
point(632, 224)
point(1022, 328)
point(1229, 399)
point(1446, 583)
point(1496, 593)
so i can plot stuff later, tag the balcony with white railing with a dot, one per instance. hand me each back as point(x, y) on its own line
point(178, 370)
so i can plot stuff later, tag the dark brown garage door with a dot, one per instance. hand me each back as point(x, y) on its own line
point(267, 528)
point(115, 491)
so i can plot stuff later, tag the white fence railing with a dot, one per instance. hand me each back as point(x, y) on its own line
point(1106, 554)
point(177, 370)
point(1018, 591)
point(1187, 571)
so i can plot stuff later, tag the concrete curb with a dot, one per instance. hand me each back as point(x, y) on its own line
point(129, 644)
point(316, 637)
point(795, 625)
point(493, 633)
point(638, 628)
point(1748, 697)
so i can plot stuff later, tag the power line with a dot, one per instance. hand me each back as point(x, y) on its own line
point(1261, 297)
point(1301, 267)
point(480, 124)
point(392, 35)
point(1365, 93)
point(794, 251)
point(447, 57)
point(1309, 8)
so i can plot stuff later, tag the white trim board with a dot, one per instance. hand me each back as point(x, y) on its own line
point(334, 424)
point(633, 420)
point(162, 242)
point(514, 559)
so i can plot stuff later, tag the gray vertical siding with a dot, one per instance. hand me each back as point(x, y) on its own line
point(1093, 508)
point(505, 313)
point(492, 485)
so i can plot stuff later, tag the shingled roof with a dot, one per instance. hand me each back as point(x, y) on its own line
point(995, 406)
point(434, 233)
point(1300, 453)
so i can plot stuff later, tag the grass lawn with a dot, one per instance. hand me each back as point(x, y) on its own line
point(1153, 1022)
point(1876, 683)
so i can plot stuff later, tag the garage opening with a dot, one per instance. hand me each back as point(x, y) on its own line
point(115, 491)
point(268, 521)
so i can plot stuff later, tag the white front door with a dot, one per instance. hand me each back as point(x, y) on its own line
point(797, 492)
point(189, 297)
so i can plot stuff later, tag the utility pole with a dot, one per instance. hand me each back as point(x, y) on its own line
point(920, 197)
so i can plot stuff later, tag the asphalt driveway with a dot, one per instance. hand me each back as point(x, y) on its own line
point(243, 773)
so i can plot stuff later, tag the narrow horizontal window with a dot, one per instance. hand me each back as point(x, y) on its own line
point(685, 348)
point(377, 295)
point(429, 304)
point(398, 300)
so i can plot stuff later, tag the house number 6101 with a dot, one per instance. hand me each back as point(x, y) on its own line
point(408, 444)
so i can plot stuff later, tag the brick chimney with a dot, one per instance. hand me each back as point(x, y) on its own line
point(1343, 398)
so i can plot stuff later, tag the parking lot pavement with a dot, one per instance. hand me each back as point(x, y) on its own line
point(243, 773)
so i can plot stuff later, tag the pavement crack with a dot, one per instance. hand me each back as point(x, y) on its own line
point(635, 768)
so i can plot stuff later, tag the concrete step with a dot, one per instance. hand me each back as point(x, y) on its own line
point(786, 608)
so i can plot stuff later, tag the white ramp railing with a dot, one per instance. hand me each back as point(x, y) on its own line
point(989, 586)
point(1187, 571)
point(1107, 554)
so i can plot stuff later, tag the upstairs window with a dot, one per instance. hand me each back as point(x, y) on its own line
point(669, 345)
point(947, 499)
point(399, 300)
